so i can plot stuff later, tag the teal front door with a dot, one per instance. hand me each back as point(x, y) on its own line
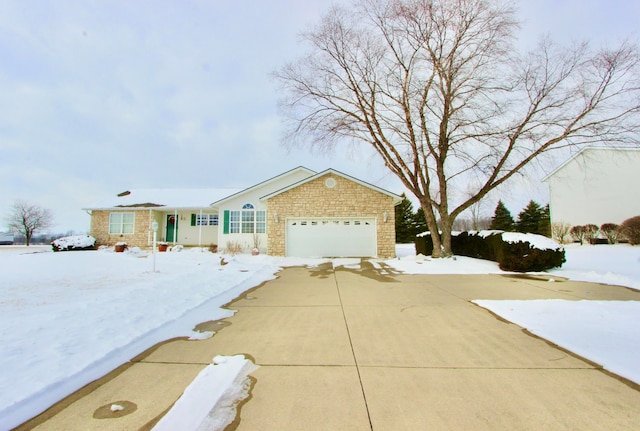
point(172, 228)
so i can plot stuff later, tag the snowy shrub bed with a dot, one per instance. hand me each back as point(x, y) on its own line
point(76, 242)
point(513, 251)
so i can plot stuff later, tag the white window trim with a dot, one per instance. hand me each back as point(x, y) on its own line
point(121, 224)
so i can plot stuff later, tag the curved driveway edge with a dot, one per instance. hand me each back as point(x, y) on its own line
point(370, 349)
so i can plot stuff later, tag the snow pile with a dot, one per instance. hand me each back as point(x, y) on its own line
point(609, 264)
point(537, 241)
point(74, 242)
point(605, 332)
point(211, 400)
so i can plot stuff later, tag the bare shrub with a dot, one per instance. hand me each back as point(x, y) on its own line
point(560, 232)
point(590, 233)
point(234, 247)
point(610, 232)
point(631, 229)
point(577, 233)
point(213, 248)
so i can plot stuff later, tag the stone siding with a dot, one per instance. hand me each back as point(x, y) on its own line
point(100, 229)
point(346, 199)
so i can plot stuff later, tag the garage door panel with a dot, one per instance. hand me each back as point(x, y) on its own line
point(331, 237)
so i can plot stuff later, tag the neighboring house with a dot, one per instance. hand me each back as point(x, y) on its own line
point(597, 185)
point(298, 213)
point(6, 238)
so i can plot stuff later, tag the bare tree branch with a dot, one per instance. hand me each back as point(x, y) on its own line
point(437, 89)
point(28, 218)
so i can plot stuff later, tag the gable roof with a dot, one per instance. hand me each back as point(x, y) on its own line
point(165, 198)
point(396, 199)
point(262, 184)
point(584, 150)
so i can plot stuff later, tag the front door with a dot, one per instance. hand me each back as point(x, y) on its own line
point(172, 228)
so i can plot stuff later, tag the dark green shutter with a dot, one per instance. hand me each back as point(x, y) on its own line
point(225, 226)
point(193, 219)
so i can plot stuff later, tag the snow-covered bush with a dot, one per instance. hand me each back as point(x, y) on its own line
point(75, 242)
point(530, 252)
point(513, 251)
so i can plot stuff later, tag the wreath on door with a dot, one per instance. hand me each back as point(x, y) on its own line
point(172, 219)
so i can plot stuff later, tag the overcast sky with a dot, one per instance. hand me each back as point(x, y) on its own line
point(99, 96)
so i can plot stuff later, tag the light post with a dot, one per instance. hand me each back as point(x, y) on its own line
point(154, 227)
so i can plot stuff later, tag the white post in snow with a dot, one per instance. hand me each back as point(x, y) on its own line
point(154, 226)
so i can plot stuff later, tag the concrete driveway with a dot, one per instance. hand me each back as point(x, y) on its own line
point(367, 349)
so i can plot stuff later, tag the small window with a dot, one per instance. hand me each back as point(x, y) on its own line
point(347, 222)
point(303, 223)
point(121, 223)
point(234, 221)
point(314, 223)
point(357, 222)
point(206, 219)
point(248, 207)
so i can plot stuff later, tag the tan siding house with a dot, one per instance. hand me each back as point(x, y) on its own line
point(297, 213)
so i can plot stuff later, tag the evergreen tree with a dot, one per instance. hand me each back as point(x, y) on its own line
point(405, 229)
point(544, 225)
point(529, 218)
point(420, 222)
point(502, 219)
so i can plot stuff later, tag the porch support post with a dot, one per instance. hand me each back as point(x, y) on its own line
point(175, 225)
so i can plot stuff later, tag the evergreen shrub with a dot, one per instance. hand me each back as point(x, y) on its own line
point(519, 256)
point(522, 256)
point(424, 245)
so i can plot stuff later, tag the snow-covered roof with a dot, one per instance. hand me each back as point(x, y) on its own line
point(263, 183)
point(166, 198)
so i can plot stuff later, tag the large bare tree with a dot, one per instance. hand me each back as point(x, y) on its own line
point(437, 88)
point(28, 218)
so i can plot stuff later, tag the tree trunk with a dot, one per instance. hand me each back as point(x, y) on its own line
point(446, 224)
point(432, 224)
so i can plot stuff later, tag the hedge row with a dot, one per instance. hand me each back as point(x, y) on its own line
point(519, 256)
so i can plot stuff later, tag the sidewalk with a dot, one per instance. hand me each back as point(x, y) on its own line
point(364, 350)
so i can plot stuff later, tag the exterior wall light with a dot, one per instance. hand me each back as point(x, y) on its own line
point(385, 216)
point(275, 217)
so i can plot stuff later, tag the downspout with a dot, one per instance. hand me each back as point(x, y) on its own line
point(200, 230)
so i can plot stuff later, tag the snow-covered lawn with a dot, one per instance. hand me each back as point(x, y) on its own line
point(69, 318)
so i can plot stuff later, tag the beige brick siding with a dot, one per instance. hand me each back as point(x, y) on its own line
point(346, 199)
point(100, 229)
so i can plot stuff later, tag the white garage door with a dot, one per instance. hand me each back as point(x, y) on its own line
point(331, 237)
